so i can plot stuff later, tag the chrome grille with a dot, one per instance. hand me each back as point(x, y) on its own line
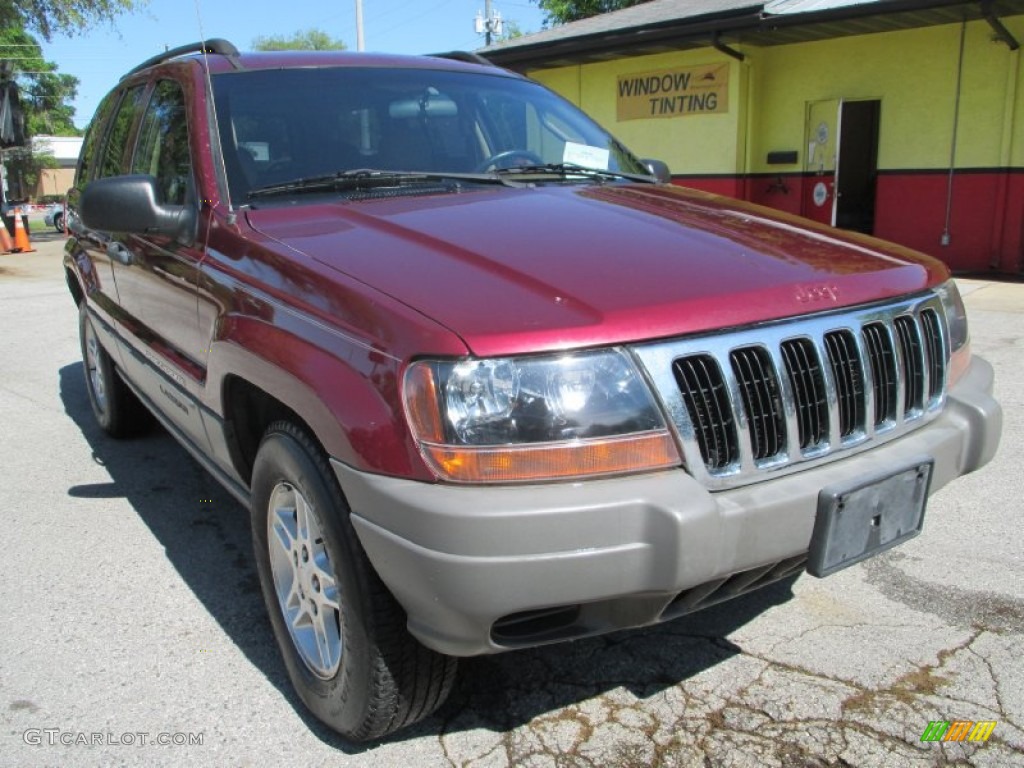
point(752, 403)
point(702, 386)
point(931, 330)
point(882, 357)
point(848, 374)
point(911, 362)
point(762, 405)
point(808, 384)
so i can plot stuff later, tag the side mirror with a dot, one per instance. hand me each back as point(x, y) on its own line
point(129, 204)
point(658, 169)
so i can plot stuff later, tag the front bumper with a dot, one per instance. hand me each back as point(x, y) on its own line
point(615, 553)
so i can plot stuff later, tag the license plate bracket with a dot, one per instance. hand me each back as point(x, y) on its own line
point(860, 519)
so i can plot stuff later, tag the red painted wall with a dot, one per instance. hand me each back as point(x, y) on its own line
point(730, 186)
point(986, 217)
point(986, 223)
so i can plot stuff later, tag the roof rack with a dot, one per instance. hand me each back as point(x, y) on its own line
point(214, 45)
point(468, 56)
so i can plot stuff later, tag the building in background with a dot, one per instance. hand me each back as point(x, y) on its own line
point(56, 181)
point(898, 118)
point(52, 183)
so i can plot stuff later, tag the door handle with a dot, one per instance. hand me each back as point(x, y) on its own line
point(120, 253)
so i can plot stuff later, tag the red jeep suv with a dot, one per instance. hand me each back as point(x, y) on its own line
point(483, 378)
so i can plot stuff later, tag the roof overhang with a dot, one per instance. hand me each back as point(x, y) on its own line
point(798, 21)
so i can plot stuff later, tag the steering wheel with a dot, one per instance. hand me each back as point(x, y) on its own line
point(510, 158)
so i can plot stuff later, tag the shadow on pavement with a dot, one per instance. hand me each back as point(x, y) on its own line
point(203, 530)
point(205, 534)
point(502, 692)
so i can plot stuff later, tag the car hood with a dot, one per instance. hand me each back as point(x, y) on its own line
point(515, 270)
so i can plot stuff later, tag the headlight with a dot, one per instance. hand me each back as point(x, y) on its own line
point(956, 325)
point(536, 418)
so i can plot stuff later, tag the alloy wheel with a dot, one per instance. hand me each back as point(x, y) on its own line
point(304, 581)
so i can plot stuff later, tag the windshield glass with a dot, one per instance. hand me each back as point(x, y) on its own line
point(280, 125)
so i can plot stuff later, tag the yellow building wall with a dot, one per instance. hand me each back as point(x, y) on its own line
point(565, 81)
point(1014, 133)
point(912, 72)
point(914, 75)
point(700, 143)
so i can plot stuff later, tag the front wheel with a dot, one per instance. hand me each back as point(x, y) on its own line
point(58, 222)
point(116, 408)
point(342, 634)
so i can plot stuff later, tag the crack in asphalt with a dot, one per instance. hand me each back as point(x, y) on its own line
point(632, 720)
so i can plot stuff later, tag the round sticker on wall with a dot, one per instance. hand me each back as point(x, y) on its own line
point(823, 132)
point(820, 194)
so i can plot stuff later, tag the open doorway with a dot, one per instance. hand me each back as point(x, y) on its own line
point(857, 171)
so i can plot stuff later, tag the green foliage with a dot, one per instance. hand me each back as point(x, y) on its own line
point(24, 169)
point(303, 40)
point(46, 94)
point(66, 17)
point(512, 30)
point(564, 11)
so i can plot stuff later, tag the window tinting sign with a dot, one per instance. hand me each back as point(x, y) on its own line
point(677, 92)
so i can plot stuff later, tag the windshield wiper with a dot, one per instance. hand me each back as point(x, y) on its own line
point(565, 170)
point(371, 178)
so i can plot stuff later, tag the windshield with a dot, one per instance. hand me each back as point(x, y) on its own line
point(277, 126)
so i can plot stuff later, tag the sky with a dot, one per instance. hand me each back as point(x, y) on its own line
point(99, 56)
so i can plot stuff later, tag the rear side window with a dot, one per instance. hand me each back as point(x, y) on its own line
point(87, 160)
point(162, 150)
point(120, 129)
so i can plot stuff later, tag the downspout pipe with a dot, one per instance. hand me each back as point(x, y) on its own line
point(718, 45)
point(997, 26)
point(944, 241)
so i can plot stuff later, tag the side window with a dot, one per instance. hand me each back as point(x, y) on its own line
point(162, 149)
point(121, 126)
point(87, 160)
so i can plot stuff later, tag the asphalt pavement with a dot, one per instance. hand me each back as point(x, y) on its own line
point(133, 631)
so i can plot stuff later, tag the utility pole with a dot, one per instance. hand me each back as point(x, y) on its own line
point(359, 25)
point(488, 24)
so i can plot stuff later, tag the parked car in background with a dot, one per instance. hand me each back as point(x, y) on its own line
point(54, 216)
point(483, 379)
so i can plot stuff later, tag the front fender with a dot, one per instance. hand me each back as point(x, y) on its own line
point(346, 393)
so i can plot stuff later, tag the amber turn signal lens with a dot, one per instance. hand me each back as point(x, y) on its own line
point(421, 404)
point(553, 461)
point(959, 361)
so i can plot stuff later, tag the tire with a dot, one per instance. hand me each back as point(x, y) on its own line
point(58, 222)
point(344, 641)
point(116, 408)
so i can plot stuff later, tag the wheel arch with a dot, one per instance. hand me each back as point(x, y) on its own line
point(250, 411)
point(348, 403)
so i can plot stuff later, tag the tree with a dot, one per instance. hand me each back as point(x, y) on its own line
point(67, 17)
point(307, 40)
point(44, 103)
point(564, 11)
point(511, 30)
point(24, 169)
point(45, 93)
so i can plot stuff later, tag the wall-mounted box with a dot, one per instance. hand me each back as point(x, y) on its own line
point(783, 157)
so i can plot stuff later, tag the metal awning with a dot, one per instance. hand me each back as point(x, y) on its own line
point(779, 22)
point(780, 7)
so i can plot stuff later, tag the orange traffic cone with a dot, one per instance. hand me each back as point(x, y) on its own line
point(21, 242)
point(6, 246)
